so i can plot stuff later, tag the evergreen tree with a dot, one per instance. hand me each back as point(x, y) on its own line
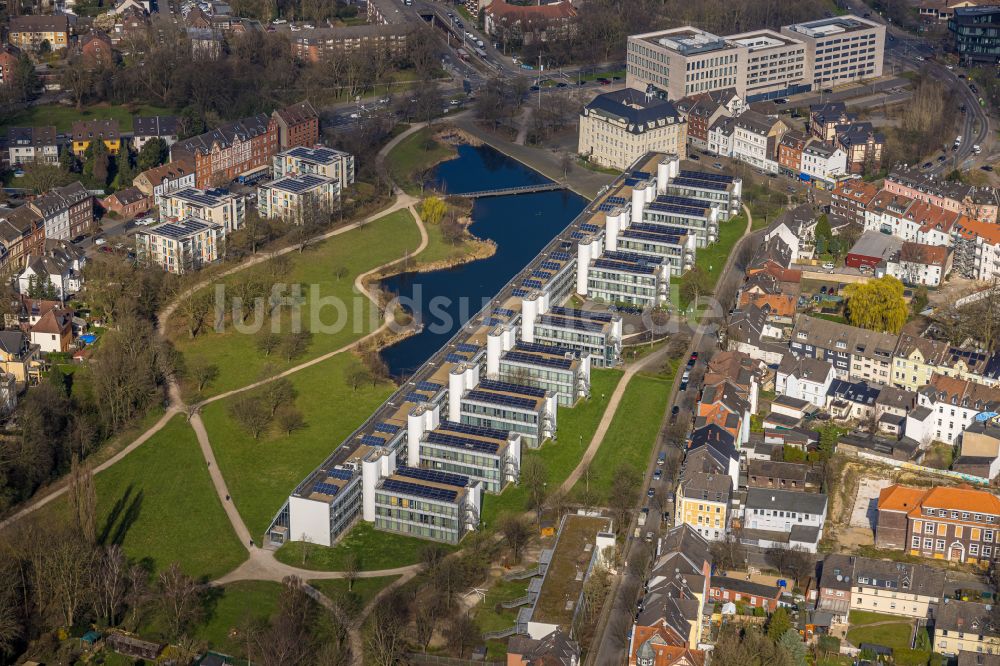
point(153, 154)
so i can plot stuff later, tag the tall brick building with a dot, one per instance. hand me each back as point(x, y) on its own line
point(298, 125)
point(229, 151)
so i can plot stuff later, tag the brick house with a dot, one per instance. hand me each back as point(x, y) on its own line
point(790, 151)
point(298, 125)
point(95, 48)
point(944, 523)
point(8, 61)
point(236, 148)
point(127, 203)
point(755, 595)
point(67, 211)
point(22, 232)
point(850, 200)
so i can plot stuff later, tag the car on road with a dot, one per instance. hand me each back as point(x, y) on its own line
point(828, 266)
point(694, 356)
point(561, 84)
point(781, 100)
point(686, 376)
point(927, 165)
point(694, 157)
point(974, 89)
point(986, 167)
point(662, 458)
point(79, 239)
point(717, 165)
point(604, 82)
point(683, 386)
point(649, 537)
point(657, 475)
point(99, 241)
point(827, 90)
point(675, 411)
point(651, 492)
point(942, 158)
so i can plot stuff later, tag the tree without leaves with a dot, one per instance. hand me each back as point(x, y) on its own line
point(250, 414)
point(195, 310)
point(294, 345)
point(462, 633)
point(267, 342)
point(83, 499)
point(277, 393)
point(516, 534)
point(203, 373)
point(290, 419)
point(179, 600)
point(286, 639)
point(695, 284)
point(624, 493)
point(534, 477)
point(385, 641)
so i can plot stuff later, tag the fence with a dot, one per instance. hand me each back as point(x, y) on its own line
point(421, 658)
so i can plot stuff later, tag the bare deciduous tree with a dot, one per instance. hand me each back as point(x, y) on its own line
point(180, 600)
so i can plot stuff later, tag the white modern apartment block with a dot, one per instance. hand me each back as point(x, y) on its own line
point(320, 161)
point(218, 206)
point(181, 246)
point(806, 379)
point(840, 49)
point(287, 198)
point(823, 162)
point(783, 519)
point(761, 64)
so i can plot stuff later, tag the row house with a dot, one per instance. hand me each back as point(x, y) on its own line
point(105, 130)
point(755, 595)
point(30, 32)
point(856, 354)
point(957, 524)
point(22, 232)
point(163, 180)
point(862, 147)
point(231, 150)
point(806, 378)
point(61, 265)
point(918, 359)
point(790, 152)
point(851, 198)
point(851, 583)
point(954, 404)
point(147, 128)
point(724, 405)
point(755, 140)
point(910, 219)
point(27, 145)
point(751, 332)
point(967, 628)
point(783, 475)
point(979, 203)
point(823, 162)
point(704, 109)
point(67, 211)
point(127, 203)
point(783, 519)
point(738, 370)
point(796, 227)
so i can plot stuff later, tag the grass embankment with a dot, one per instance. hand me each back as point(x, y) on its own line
point(491, 616)
point(361, 592)
point(261, 473)
point(410, 160)
point(63, 116)
point(575, 426)
point(159, 504)
point(347, 317)
point(374, 550)
point(712, 259)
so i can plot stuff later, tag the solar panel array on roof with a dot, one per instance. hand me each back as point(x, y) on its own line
point(456, 358)
point(544, 275)
point(606, 208)
point(689, 211)
point(640, 174)
point(197, 196)
point(491, 385)
point(538, 348)
point(561, 256)
point(704, 175)
point(631, 182)
point(680, 201)
point(501, 399)
point(576, 235)
point(415, 397)
point(620, 201)
point(298, 184)
point(387, 427)
point(582, 314)
point(533, 284)
point(503, 312)
point(519, 293)
point(466, 347)
point(534, 359)
point(589, 227)
point(481, 431)
point(178, 230)
point(551, 265)
point(575, 324)
point(373, 440)
point(459, 442)
point(624, 266)
point(656, 236)
point(493, 321)
point(660, 228)
point(321, 154)
point(433, 387)
point(433, 475)
point(703, 184)
point(326, 489)
point(419, 490)
point(342, 474)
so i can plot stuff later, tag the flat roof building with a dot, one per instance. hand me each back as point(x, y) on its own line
point(292, 198)
point(976, 31)
point(319, 160)
point(219, 206)
point(428, 504)
point(840, 49)
point(181, 246)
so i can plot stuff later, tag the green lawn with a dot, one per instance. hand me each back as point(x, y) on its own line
point(63, 116)
point(440, 250)
point(859, 618)
point(159, 503)
point(713, 258)
point(348, 316)
point(260, 474)
point(375, 550)
point(576, 425)
point(230, 607)
point(488, 619)
point(418, 152)
point(895, 636)
point(363, 590)
point(633, 432)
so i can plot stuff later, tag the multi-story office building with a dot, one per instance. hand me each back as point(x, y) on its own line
point(597, 334)
point(840, 49)
point(956, 524)
point(319, 161)
point(558, 369)
point(624, 277)
point(491, 457)
point(288, 198)
point(181, 246)
point(428, 504)
point(617, 128)
point(219, 206)
point(525, 410)
point(976, 31)
point(759, 65)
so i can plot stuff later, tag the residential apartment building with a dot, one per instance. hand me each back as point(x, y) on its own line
point(529, 24)
point(862, 147)
point(790, 150)
point(617, 128)
point(850, 200)
point(146, 128)
point(919, 264)
point(965, 626)
point(30, 32)
point(235, 149)
point(164, 180)
point(325, 44)
point(977, 249)
point(783, 519)
point(290, 198)
point(979, 203)
point(86, 132)
point(298, 125)
point(22, 232)
point(804, 378)
point(526, 410)
point(217, 206)
point(958, 524)
point(66, 211)
point(823, 163)
point(490, 457)
point(625, 277)
point(26, 145)
point(181, 246)
point(851, 583)
point(60, 266)
point(702, 497)
point(840, 49)
point(783, 475)
point(558, 369)
point(976, 31)
point(19, 358)
point(856, 354)
point(954, 404)
point(755, 140)
point(703, 109)
point(319, 161)
point(597, 334)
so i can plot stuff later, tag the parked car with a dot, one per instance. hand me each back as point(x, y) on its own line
point(99, 241)
point(927, 165)
point(662, 458)
point(717, 165)
point(651, 492)
point(657, 475)
point(828, 266)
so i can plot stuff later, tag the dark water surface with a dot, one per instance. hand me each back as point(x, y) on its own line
point(520, 225)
